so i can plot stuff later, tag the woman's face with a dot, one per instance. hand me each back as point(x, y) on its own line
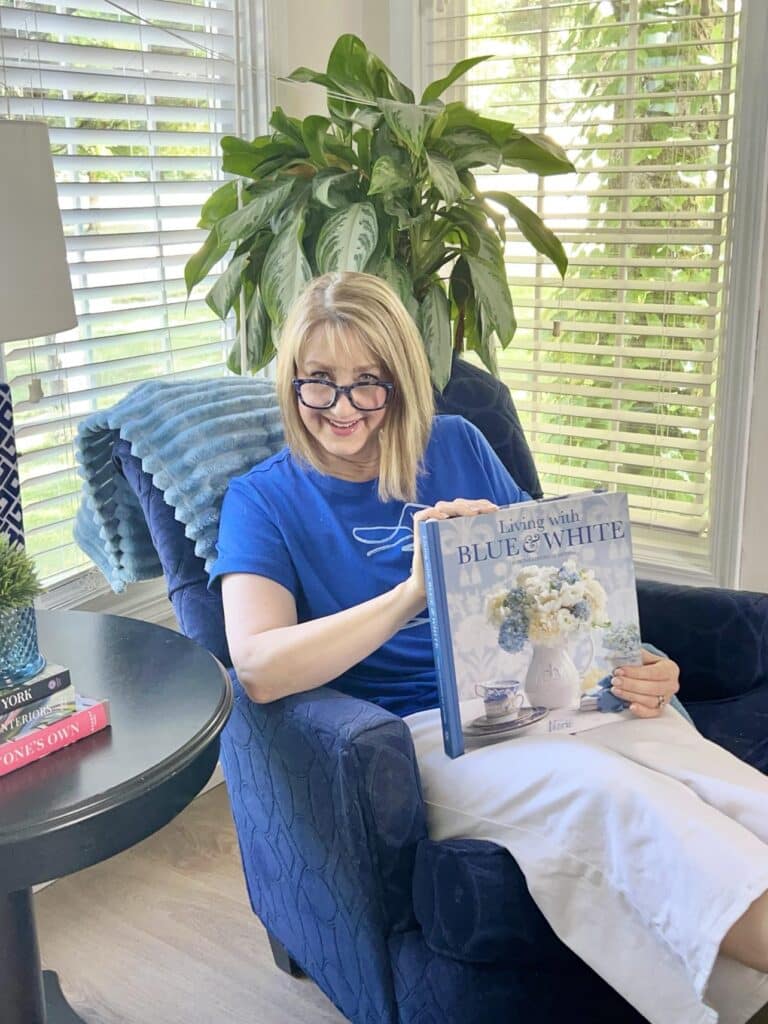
point(348, 437)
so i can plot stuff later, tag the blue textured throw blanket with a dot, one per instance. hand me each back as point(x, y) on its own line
point(192, 437)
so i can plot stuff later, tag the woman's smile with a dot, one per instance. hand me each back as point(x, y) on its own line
point(344, 427)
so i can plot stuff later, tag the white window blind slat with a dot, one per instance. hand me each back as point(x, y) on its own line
point(137, 96)
point(127, 110)
point(168, 12)
point(28, 76)
point(112, 32)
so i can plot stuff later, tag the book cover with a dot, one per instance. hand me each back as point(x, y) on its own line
point(89, 717)
point(27, 717)
point(531, 607)
point(47, 681)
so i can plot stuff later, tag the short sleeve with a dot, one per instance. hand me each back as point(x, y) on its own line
point(250, 539)
point(503, 489)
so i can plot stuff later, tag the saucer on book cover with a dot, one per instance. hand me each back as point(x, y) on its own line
point(484, 726)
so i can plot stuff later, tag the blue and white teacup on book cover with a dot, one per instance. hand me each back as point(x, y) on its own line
point(502, 699)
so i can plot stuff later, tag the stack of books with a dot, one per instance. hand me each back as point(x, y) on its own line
point(44, 714)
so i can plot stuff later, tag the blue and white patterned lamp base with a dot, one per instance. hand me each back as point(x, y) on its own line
point(11, 522)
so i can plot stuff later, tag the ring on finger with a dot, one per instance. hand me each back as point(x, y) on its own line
point(661, 700)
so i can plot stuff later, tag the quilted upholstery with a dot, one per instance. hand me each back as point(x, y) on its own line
point(434, 989)
point(328, 810)
point(472, 903)
point(720, 637)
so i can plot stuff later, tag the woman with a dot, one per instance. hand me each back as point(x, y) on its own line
point(617, 830)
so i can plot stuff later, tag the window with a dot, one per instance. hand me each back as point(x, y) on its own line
point(136, 95)
point(618, 370)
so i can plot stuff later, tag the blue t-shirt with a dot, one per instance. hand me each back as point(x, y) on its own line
point(333, 544)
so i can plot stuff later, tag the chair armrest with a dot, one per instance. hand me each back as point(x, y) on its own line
point(326, 797)
point(718, 637)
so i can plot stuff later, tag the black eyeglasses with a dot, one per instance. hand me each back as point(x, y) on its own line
point(323, 394)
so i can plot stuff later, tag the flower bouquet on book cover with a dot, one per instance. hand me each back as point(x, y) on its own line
point(531, 606)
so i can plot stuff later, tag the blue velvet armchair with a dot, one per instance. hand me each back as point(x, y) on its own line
point(327, 804)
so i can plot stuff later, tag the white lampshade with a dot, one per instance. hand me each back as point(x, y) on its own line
point(35, 289)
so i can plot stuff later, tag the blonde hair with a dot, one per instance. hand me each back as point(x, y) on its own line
point(344, 307)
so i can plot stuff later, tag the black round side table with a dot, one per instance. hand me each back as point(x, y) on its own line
point(169, 700)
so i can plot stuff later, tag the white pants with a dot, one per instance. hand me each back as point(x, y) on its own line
point(641, 842)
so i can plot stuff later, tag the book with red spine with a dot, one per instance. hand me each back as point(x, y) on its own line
point(24, 719)
point(90, 717)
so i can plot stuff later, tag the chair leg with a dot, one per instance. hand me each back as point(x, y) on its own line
point(283, 958)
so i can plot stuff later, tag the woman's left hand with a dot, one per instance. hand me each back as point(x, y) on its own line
point(647, 687)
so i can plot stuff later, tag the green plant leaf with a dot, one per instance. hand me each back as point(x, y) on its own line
point(468, 147)
point(258, 339)
point(438, 87)
point(19, 583)
point(484, 345)
point(435, 326)
point(222, 296)
point(348, 239)
point(362, 140)
point(388, 177)
point(218, 204)
point(263, 201)
point(334, 188)
point(260, 157)
point(342, 154)
point(536, 153)
point(533, 228)
point(286, 271)
point(396, 274)
point(408, 122)
point(467, 227)
point(289, 126)
point(348, 66)
point(367, 117)
point(294, 206)
point(489, 280)
point(307, 75)
point(208, 255)
point(444, 177)
point(313, 131)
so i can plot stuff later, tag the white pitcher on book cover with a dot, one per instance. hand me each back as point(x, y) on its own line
point(553, 681)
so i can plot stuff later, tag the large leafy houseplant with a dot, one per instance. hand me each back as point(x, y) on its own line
point(382, 184)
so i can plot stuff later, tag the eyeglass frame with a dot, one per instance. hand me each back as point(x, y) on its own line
point(344, 389)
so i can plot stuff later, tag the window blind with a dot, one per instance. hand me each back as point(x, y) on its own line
point(614, 370)
point(136, 95)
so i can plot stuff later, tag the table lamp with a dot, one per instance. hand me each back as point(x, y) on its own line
point(35, 289)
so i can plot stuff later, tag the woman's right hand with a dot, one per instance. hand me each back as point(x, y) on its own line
point(441, 510)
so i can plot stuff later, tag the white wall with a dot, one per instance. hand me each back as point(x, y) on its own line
point(302, 32)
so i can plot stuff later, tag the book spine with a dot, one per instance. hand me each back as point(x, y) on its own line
point(49, 738)
point(39, 713)
point(453, 738)
point(18, 696)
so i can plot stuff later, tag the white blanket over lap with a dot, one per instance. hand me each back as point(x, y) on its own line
point(641, 842)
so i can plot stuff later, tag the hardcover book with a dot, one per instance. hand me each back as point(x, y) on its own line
point(531, 608)
point(90, 716)
point(27, 717)
point(50, 679)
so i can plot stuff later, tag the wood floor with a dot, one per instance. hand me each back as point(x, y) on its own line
point(163, 933)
